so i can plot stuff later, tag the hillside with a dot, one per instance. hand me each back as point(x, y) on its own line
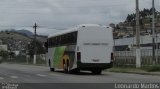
point(127, 28)
point(14, 36)
point(14, 40)
point(25, 32)
point(19, 41)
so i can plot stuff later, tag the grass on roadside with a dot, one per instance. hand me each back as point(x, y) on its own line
point(125, 70)
point(151, 68)
point(147, 68)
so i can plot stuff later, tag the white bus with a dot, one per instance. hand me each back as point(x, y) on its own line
point(85, 47)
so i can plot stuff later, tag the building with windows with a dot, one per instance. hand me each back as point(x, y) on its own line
point(129, 43)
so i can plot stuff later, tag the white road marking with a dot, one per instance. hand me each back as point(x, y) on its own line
point(1, 78)
point(41, 75)
point(14, 76)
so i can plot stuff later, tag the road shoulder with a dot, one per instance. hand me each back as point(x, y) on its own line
point(133, 71)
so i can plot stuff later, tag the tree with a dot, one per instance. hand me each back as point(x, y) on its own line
point(39, 49)
point(12, 54)
point(117, 27)
point(151, 12)
point(129, 18)
point(142, 14)
point(4, 54)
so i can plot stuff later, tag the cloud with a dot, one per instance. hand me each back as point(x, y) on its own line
point(60, 14)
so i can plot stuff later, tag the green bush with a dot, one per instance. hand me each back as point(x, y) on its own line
point(4, 55)
point(151, 68)
point(20, 58)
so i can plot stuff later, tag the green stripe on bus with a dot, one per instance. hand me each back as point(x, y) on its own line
point(58, 54)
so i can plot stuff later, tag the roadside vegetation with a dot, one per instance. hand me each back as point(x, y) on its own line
point(21, 47)
point(151, 68)
point(21, 59)
point(145, 68)
point(10, 57)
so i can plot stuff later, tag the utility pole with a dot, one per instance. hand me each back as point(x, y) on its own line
point(35, 46)
point(153, 32)
point(138, 51)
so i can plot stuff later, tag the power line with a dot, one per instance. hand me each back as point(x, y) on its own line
point(94, 6)
point(11, 6)
point(62, 1)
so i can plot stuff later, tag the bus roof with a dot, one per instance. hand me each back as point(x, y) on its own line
point(72, 29)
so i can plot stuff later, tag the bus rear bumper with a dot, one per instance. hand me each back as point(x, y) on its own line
point(90, 66)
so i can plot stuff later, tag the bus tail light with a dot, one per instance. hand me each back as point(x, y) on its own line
point(78, 56)
point(112, 57)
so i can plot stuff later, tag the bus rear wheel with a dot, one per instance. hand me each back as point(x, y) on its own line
point(97, 71)
point(66, 67)
point(52, 69)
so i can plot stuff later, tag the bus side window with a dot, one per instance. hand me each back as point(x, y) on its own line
point(56, 41)
point(62, 40)
point(49, 42)
point(53, 42)
point(46, 46)
point(59, 41)
point(69, 38)
point(66, 39)
point(74, 37)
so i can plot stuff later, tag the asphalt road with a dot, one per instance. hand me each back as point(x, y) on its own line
point(37, 76)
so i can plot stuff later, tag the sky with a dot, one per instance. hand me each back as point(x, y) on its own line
point(56, 15)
